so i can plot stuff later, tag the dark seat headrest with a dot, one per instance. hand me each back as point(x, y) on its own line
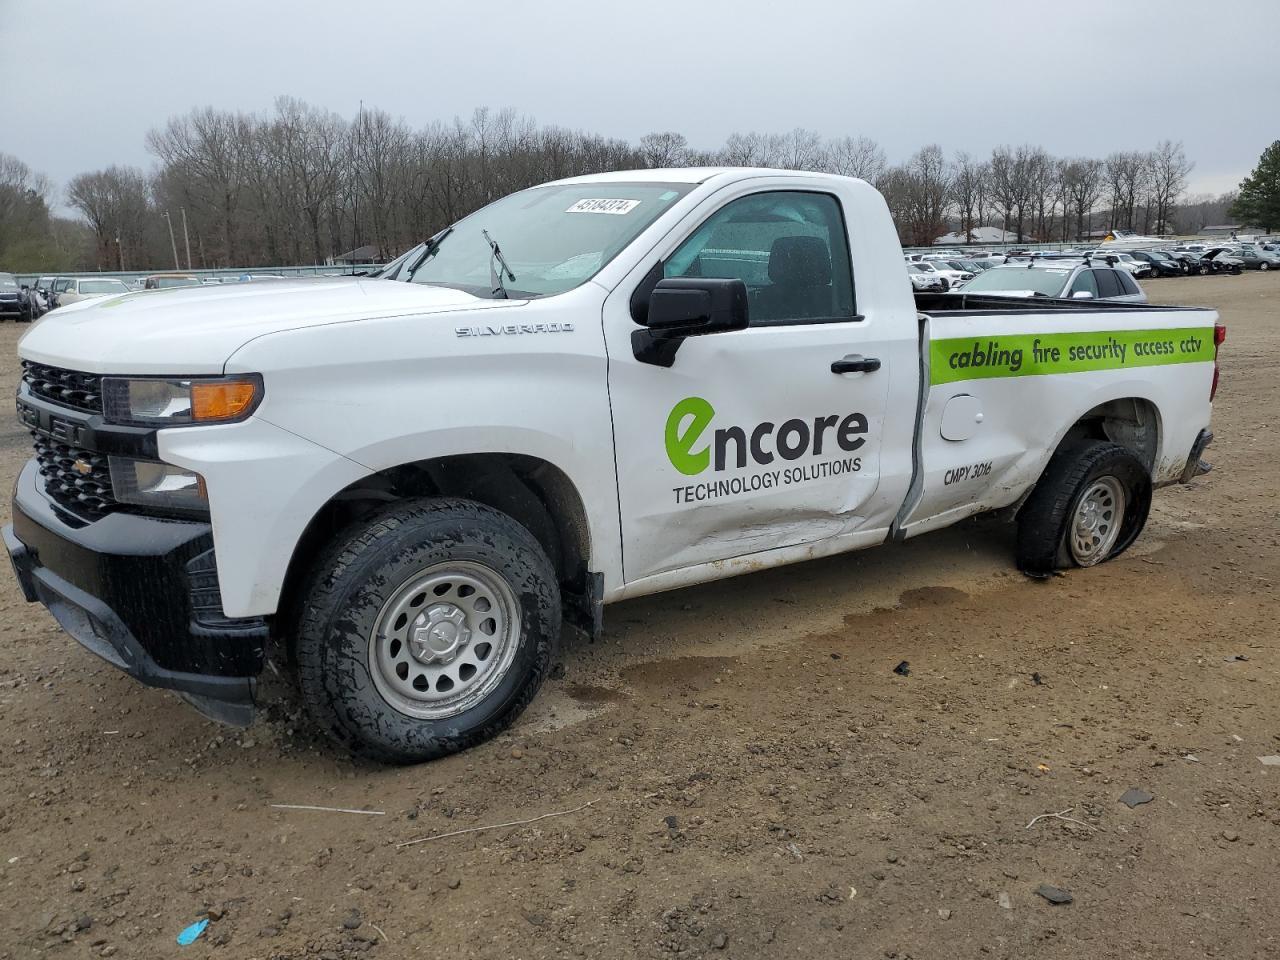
point(800, 262)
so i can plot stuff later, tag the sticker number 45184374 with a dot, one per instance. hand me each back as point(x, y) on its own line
point(616, 207)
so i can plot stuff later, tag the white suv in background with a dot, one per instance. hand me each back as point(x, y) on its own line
point(952, 271)
point(1060, 279)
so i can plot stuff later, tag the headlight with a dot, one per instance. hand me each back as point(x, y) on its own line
point(163, 402)
point(148, 483)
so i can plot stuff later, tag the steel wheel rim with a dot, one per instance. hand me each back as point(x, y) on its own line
point(1096, 521)
point(444, 640)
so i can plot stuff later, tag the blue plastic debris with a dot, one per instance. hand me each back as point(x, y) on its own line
point(188, 936)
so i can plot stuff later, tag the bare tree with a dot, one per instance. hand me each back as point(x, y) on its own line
point(1125, 173)
point(668, 149)
point(115, 203)
point(1082, 181)
point(1014, 172)
point(968, 188)
point(917, 195)
point(1169, 171)
point(859, 157)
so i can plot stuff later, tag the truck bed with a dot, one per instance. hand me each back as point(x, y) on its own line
point(947, 304)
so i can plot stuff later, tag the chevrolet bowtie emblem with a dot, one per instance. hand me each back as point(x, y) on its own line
point(82, 467)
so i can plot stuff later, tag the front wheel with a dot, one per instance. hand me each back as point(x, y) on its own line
point(1089, 506)
point(1264, 266)
point(426, 630)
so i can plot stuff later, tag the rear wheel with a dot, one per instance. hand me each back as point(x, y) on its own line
point(1089, 506)
point(427, 630)
point(1264, 266)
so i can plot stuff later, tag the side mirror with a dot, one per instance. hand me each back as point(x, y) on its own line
point(683, 307)
point(695, 306)
point(1082, 295)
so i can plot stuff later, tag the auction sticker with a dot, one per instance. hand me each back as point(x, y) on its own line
point(616, 207)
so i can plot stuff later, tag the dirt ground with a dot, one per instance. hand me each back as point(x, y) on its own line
point(762, 783)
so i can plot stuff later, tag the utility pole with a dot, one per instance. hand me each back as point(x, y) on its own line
point(172, 242)
point(120, 251)
point(186, 236)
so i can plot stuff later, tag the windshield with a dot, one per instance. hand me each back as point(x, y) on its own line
point(7, 280)
point(1045, 282)
point(395, 269)
point(102, 286)
point(554, 238)
point(916, 268)
point(164, 283)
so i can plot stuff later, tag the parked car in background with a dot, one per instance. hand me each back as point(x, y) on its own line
point(952, 270)
point(1059, 279)
point(928, 267)
point(15, 299)
point(45, 286)
point(923, 278)
point(1194, 263)
point(39, 305)
point(260, 276)
point(1161, 263)
point(1223, 260)
point(167, 281)
point(1258, 258)
point(1125, 259)
point(75, 289)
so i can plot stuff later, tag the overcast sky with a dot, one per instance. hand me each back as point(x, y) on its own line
point(1077, 76)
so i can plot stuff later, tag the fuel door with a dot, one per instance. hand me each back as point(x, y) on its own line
point(961, 417)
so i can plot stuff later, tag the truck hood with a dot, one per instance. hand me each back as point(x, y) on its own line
point(193, 330)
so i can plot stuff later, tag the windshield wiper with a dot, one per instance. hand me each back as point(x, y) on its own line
point(495, 275)
point(428, 251)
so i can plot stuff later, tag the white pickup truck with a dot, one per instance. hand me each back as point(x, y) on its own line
point(591, 390)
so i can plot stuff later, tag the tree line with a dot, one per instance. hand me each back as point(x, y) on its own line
point(301, 184)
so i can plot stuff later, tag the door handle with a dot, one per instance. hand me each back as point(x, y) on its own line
point(856, 363)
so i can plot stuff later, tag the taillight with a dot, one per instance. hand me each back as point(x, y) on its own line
point(1219, 337)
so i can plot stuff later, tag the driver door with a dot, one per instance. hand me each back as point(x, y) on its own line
point(749, 441)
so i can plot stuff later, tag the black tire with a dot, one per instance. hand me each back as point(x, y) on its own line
point(1264, 266)
point(1044, 520)
point(348, 591)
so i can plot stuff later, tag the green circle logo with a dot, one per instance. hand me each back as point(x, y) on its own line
point(694, 415)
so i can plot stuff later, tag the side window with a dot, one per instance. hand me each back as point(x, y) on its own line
point(1084, 281)
point(1127, 284)
point(789, 247)
point(1108, 285)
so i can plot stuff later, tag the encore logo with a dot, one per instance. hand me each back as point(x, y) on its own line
point(731, 446)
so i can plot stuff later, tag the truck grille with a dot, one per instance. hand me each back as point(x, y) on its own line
point(78, 479)
point(69, 388)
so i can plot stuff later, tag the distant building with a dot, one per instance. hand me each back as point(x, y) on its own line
point(978, 235)
point(365, 254)
point(1226, 229)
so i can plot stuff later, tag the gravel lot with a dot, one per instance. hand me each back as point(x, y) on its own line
point(762, 783)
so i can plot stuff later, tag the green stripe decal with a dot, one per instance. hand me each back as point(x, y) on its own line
point(1033, 355)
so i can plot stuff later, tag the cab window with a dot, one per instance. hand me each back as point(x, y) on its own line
point(790, 249)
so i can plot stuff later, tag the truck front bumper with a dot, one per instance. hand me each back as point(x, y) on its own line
point(142, 593)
